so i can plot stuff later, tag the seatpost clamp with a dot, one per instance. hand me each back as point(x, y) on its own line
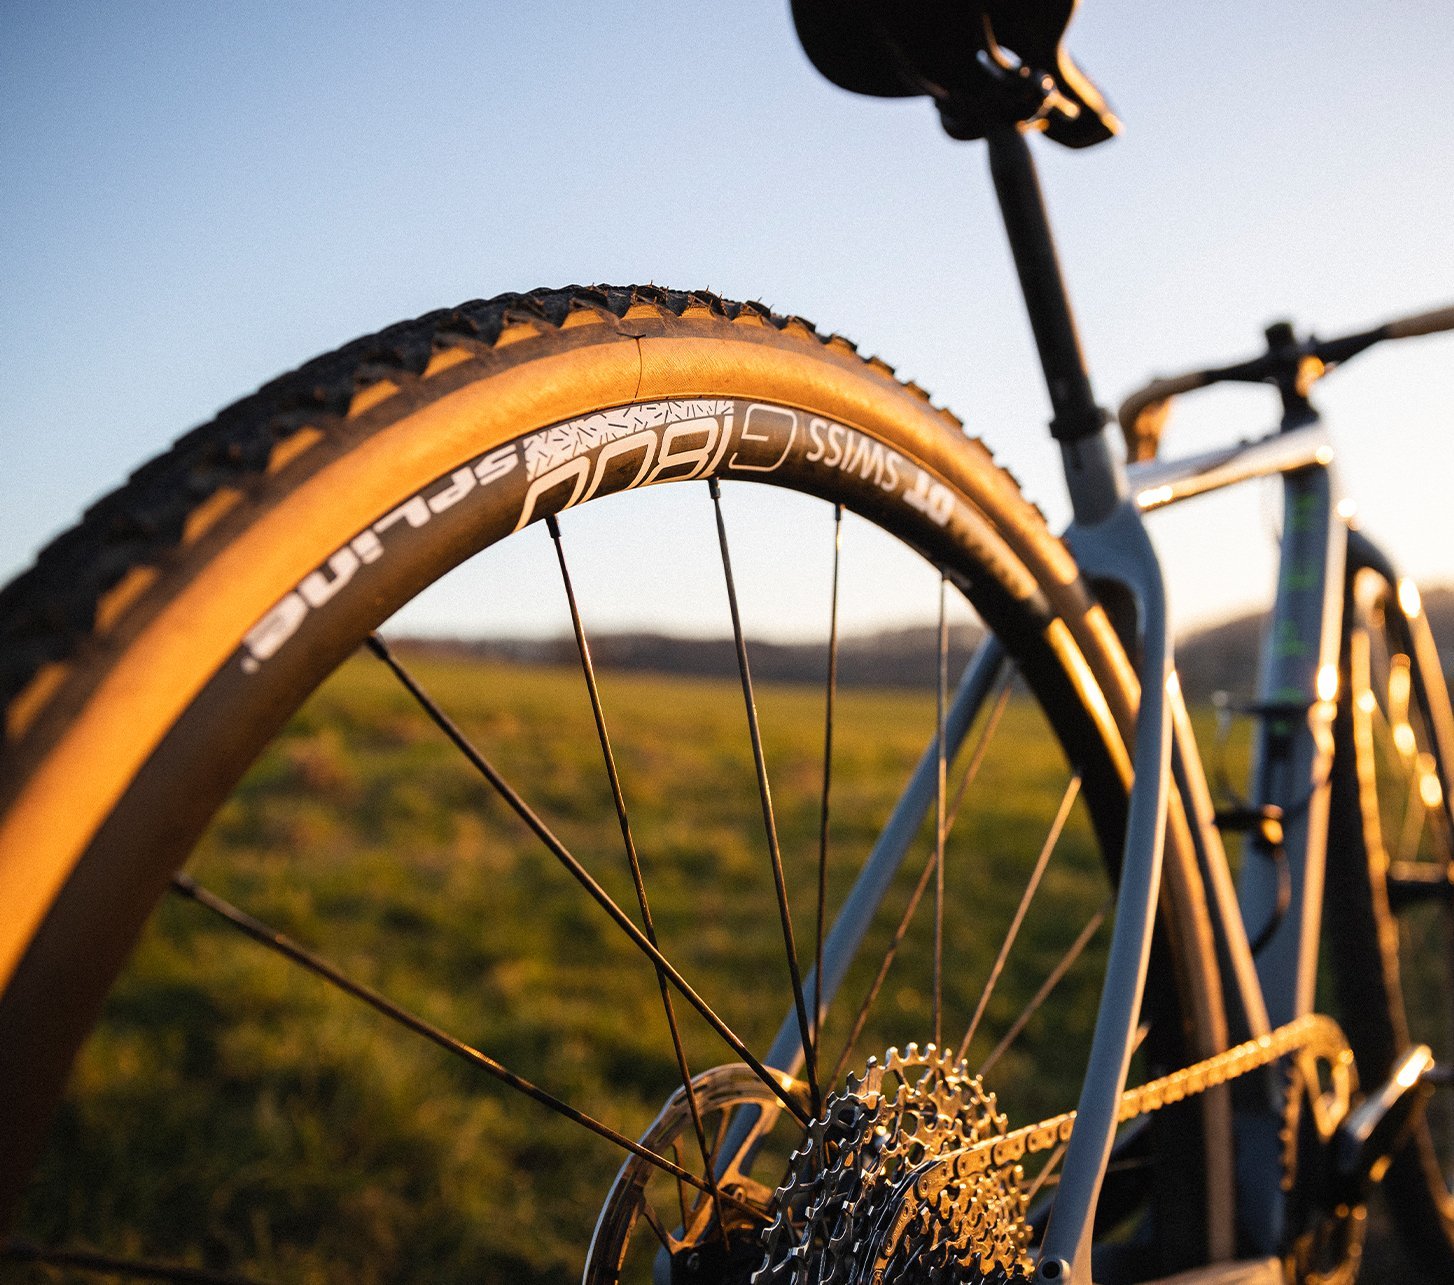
point(1077, 423)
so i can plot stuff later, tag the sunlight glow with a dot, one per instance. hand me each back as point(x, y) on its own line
point(1431, 793)
point(1400, 683)
point(1327, 682)
point(1408, 598)
point(1410, 1073)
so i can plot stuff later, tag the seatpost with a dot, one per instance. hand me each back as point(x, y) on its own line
point(1094, 476)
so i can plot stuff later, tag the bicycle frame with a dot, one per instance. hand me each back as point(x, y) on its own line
point(1280, 892)
point(1279, 888)
point(1291, 757)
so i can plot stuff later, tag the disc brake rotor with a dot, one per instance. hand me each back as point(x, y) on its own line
point(720, 1092)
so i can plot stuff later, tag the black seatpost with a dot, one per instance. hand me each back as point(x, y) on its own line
point(1093, 474)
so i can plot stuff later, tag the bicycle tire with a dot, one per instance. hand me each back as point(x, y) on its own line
point(1394, 691)
point(182, 603)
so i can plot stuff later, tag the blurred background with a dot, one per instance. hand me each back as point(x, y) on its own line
point(196, 199)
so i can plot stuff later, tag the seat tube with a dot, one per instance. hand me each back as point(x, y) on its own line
point(1280, 886)
point(1094, 476)
point(1295, 708)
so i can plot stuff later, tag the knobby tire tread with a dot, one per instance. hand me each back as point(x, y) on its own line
point(49, 611)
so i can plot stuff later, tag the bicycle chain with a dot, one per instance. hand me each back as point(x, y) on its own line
point(922, 1184)
point(1312, 1035)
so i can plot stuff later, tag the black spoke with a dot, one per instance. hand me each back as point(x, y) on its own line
point(581, 874)
point(1113, 1167)
point(718, 1134)
point(982, 746)
point(1046, 1172)
point(632, 857)
point(676, 1153)
point(940, 687)
point(976, 760)
point(316, 964)
point(765, 797)
point(861, 1017)
point(1051, 839)
point(653, 1220)
point(1067, 961)
point(829, 703)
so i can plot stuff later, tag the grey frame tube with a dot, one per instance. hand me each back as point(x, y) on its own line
point(867, 894)
point(1119, 548)
point(1157, 483)
point(1297, 694)
point(1281, 890)
point(864, 899)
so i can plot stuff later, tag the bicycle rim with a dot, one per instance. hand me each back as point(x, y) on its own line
point(303, 518)
point(1392, 850)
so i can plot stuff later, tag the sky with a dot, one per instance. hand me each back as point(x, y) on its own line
point(195, 198)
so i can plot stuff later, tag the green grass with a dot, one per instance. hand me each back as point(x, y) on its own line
point(234, 1111)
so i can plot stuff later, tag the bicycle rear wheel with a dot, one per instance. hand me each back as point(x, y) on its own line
point(155, 651)
point(1391, 859)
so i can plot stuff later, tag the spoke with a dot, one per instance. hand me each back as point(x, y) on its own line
point(1045, 1173)
point(316, 964)
point(718, 1134)
point(1051, 839)
point(861, 1018)
point(976, 760)
point(1067, 961)
point(765, 797)
point(1113, 1167)
point(939, 788)
point(676, 1154)
point(981, 748)
point(632, 857)
point(582, 876)
point(829, 702)
point(653, 1220)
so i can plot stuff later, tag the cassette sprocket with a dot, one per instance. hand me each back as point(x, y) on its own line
point(872, 1193)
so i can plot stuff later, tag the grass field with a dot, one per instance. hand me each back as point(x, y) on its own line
point(235, 1112)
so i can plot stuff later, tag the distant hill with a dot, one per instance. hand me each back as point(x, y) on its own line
point(1224, 657)
point(1221, 657)
point(893, 658)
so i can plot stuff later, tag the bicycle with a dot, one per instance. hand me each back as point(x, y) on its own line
point(231, 576)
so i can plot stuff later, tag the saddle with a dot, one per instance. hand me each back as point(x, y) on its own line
point(987, 64)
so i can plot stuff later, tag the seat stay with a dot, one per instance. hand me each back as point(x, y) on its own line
point(1119, 549)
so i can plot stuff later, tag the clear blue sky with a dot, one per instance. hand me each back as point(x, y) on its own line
point(196, 197)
